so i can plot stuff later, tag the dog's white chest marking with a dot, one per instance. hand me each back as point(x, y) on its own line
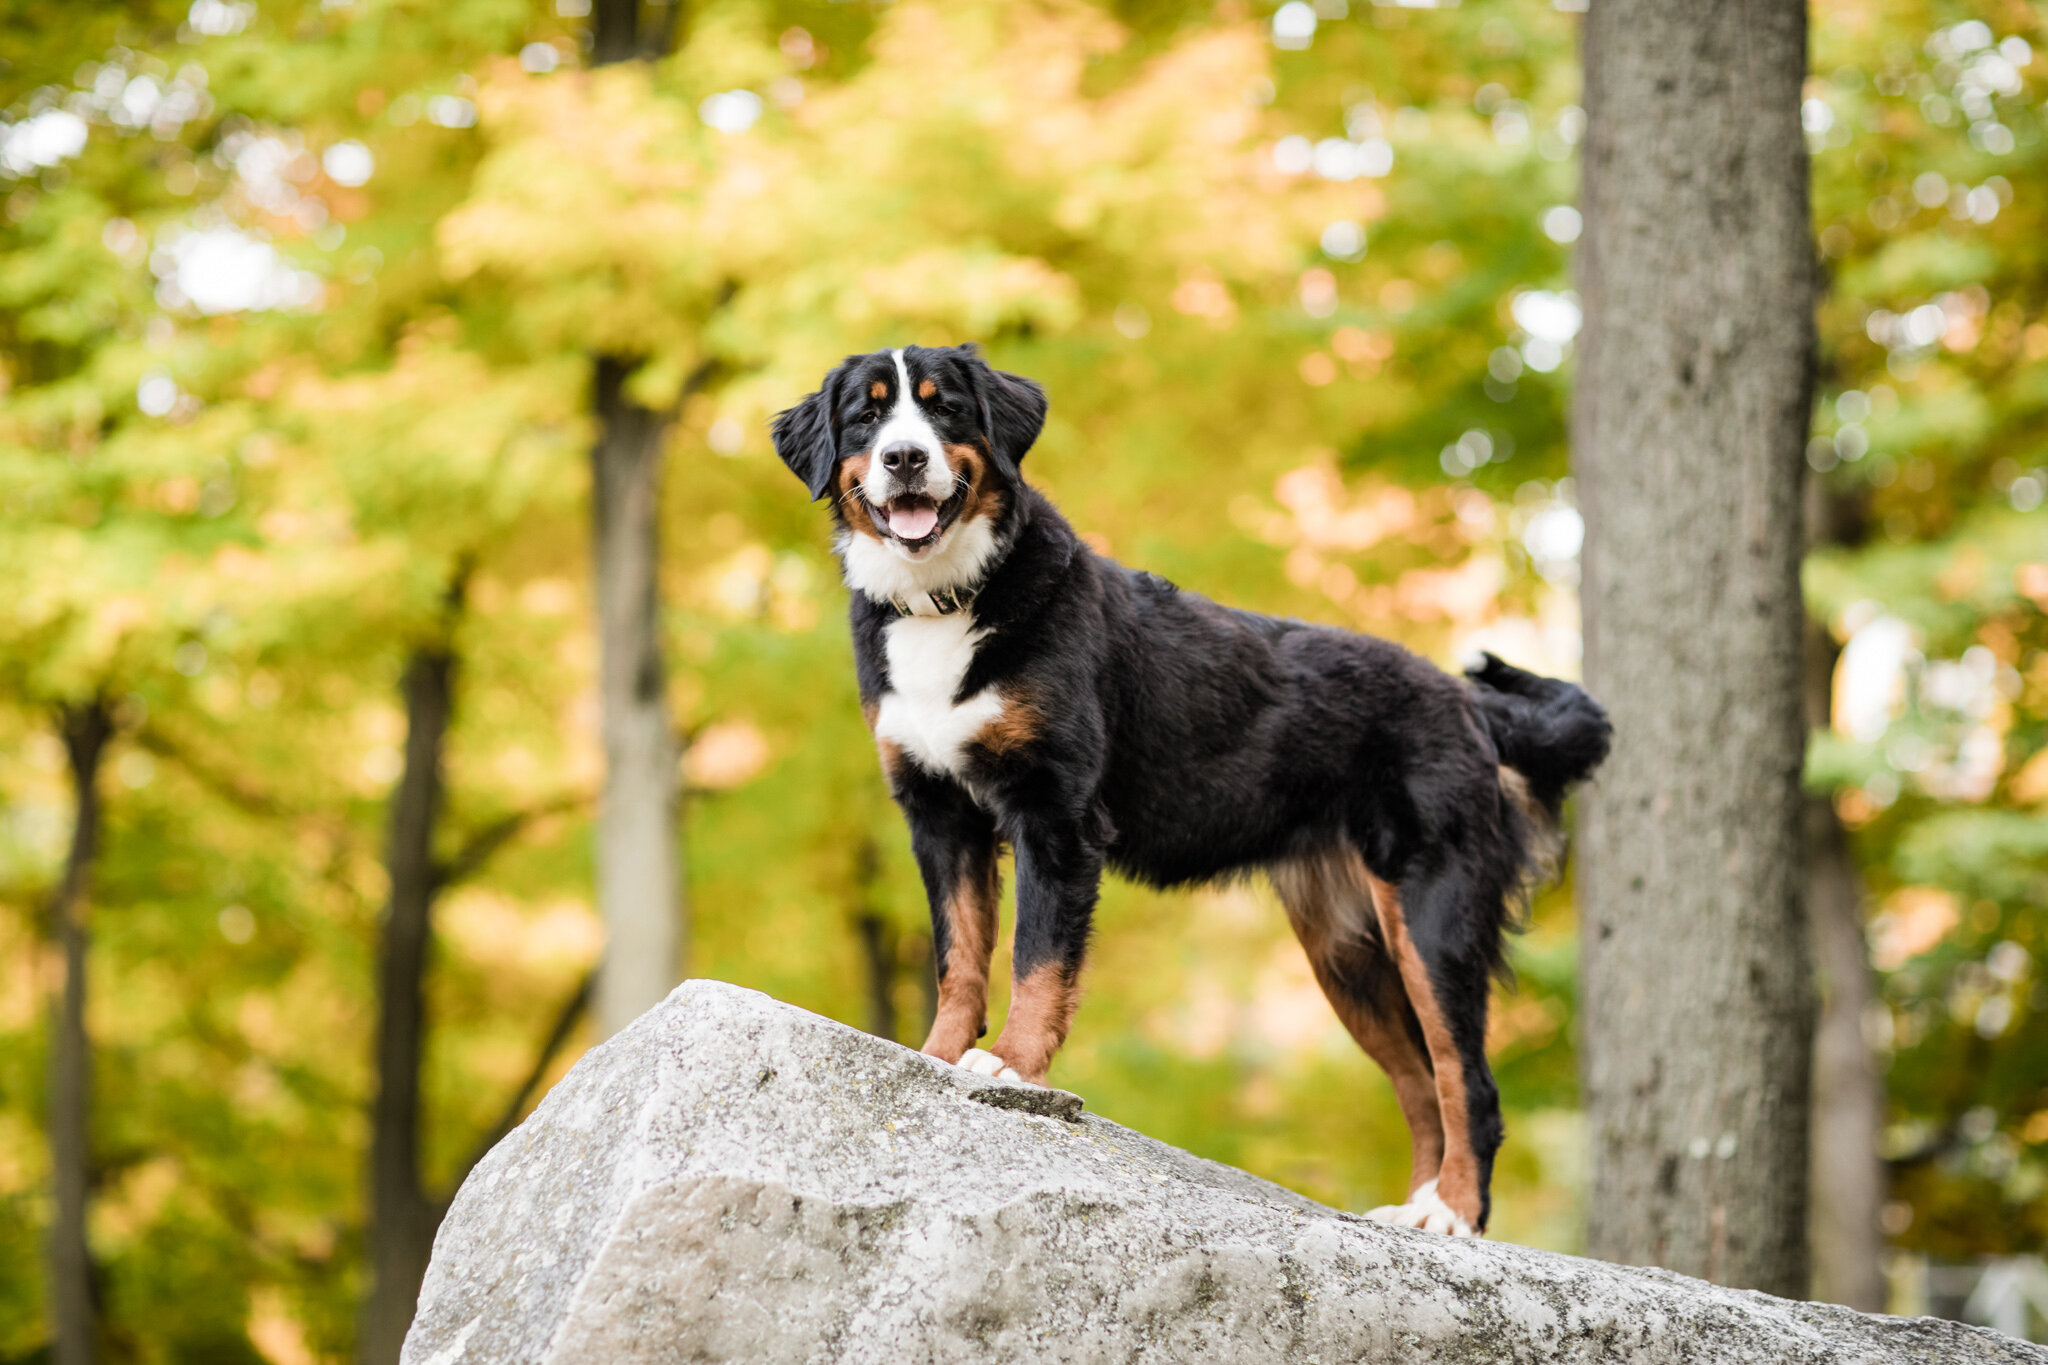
point(928, 656)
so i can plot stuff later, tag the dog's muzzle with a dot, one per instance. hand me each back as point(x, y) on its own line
point(910, 490)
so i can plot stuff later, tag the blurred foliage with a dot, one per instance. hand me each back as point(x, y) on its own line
point(295, 305)
point(1931, 438)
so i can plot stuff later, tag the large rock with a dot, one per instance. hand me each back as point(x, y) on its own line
point(735, 1179)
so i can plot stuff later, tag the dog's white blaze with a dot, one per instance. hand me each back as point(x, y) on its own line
point(907, 422)
point(881, 570)
point(928, 656)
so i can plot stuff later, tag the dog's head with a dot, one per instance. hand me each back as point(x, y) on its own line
point(911, 443)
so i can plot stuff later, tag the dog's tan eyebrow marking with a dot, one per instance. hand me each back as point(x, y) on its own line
point(879, 389)
point(927, 389)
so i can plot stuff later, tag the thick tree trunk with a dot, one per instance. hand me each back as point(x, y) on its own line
point(1691, 413)
point(85, 729)
point(402, 1217)
point(638, 894)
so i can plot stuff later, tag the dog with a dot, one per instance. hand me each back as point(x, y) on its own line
point(1024, 690)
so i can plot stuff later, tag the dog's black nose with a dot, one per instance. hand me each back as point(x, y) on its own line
point(903, 457)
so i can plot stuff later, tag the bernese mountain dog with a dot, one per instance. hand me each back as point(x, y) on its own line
point(1025, 690)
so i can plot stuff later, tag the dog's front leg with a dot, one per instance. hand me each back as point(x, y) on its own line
point(955, 844)
point(1058, 870)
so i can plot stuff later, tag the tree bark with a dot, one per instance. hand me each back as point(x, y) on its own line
point(404, 1214)
point(925, 964)
point(878, 957)
point(85, 729)
point(638, 894)
point(614, 32)
point(402, 1217)
point(1689, 422)
point(1848, 1173)
point(878, 942)
point(1848, 1093)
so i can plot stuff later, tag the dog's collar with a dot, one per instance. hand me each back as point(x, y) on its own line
point(942, 603)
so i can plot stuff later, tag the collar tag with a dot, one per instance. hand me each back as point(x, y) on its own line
point(943, 603)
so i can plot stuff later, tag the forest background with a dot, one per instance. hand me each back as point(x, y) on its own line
point(298, 305)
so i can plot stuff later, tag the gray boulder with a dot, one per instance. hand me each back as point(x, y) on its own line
point(735, 1179)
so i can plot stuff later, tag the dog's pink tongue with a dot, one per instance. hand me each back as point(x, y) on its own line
point(913, 523)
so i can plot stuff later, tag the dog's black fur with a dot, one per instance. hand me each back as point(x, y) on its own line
point(1178, 741)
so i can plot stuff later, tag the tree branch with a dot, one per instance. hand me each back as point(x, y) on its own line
point(565, 1023)
point(249, 799)
point(481, 846)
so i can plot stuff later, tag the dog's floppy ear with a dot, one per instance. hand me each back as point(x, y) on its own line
point(1012, 411)
point(807, 436)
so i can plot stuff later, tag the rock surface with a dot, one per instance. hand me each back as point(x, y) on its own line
point(735, 1179)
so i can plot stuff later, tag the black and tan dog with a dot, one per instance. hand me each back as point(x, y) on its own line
point(1023, 689)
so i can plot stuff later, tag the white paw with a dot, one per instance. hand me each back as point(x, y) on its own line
point(983, 1063)
point(1423, 1210)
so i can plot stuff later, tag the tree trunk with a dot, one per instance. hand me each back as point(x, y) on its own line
point(1848, 1093)
point(878, 942)
point(85, 729)
point(925, 964)
point(1689, 423)
point(402, 1217)
point(1849, 1178)
point(878, 957)
point(637, 891)
point(614, 32)
point(639, 895)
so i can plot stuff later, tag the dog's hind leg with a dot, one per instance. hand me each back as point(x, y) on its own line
point(1428, 925)
point(1330, 907)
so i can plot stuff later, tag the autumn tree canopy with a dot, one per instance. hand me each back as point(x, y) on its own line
point(297, 302)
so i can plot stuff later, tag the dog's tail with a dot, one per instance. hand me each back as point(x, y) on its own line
point(1547, 732)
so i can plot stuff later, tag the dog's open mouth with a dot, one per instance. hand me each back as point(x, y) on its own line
point(916, 520)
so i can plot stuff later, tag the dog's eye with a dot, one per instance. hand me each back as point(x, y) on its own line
point(941, 408)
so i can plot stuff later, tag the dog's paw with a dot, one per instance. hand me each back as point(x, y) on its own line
point(984, 1063)
point(1426, 1211)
